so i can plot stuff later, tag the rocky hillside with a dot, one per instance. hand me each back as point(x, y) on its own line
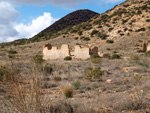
point(127, 19)
point(73, 18)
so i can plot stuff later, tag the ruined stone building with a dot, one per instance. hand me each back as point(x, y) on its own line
point(52, 52)
point(146, 47)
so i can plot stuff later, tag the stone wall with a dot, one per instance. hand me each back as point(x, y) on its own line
point(81, 52)
point(148, 47)
point(55, 53)
point(52, 52)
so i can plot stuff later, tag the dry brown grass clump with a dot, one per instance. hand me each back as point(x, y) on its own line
point(67, 90)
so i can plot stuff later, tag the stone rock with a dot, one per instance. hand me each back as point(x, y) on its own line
point(109, 81)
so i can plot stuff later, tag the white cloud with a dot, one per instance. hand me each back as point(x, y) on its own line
point(11, 30)
point(31, 29)
point(8, 15)
point(38, 24)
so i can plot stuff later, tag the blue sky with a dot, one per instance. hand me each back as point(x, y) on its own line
point(25, 18)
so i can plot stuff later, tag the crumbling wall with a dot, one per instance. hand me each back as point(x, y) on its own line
point(81, 52)
point(52, 52)
point(55, 53)
point(148, 47)
point(94, 51)
point(144, 47)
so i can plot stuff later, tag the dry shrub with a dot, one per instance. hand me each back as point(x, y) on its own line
point(96, 60)
point(93, 73)
point(37, 59)
point(135, 57)
point(120, 102)
point(8, 72)
point(27, 96)
point(58, 107)
point(56, 78)
point(67, 90)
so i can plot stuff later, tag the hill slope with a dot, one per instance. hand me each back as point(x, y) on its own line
point(127, 19)
point(73, 18)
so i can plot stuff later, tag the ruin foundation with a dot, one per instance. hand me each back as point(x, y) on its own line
point(52, 52)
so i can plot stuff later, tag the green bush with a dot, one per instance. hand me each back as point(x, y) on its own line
point(76, 84)
point(110, 41)
point(68, 58)
point(115, 56)
point(100, 26)
point(12, 52)
point(148, 20)
point(95, 73)
point(73, 31)
point(103, 36)
point(94, 32)
point(141, 29)
point(11, 56)
point(37, 59)
point(94, 56)
point(48, 68)
point(147, 54)
point(110, 29)
point(96, 60)
point(8, 73)
point(97, 22)
point(80, 33)
point(124, 21)
point(135, 57)
point(76, 38)
point(137, 78)
point(86, 39)
point(142, 64)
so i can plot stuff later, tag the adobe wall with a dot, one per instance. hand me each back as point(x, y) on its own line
point(51, 52)
point(55, 53)
point(81, 53)
point(148, 48)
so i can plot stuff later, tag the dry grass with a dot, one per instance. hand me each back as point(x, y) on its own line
point(27, 96)
point(36, 85)
point(67, 90)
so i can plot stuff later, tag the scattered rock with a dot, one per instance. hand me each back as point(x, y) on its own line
point(109, 81)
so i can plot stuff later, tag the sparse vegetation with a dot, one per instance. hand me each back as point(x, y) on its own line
point(94, 83)
point(67, 90)
point(141, 29)
point(68, 58)
point(76, 84)
point(57, 78)
point(94, 73)
point(37, 59)
point(115, 56)
point(96, 60)
point(110, 41)
point(12, 52)
point(80, 33)
point(94, 32)
point(147, 54)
